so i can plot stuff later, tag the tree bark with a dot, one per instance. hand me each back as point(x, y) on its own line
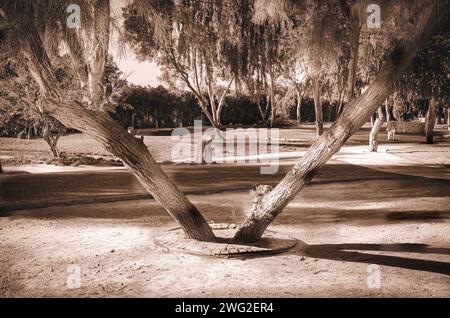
point(317, 104)
point(271, 203)
point(448, 117)
point(388, 112)
point(340, 106)
point(299, 107)
point(221, 103)
point(52, 142)
point(99, 50)
point(430, 121)
point(373, 136)
point(262, 113)
point(353, 63)
point(273, 105)
point(373, 118)
point(138, 160)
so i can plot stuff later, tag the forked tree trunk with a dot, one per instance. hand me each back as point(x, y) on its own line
point(373, 136)
point(430, 121)
point(317, 105)
point(272, 202)
point(52, 141)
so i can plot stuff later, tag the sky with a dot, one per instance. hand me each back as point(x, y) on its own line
point(136, 72)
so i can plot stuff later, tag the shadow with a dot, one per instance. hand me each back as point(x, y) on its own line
point(336, 187)
point(417, 215)
point(339, 252)
point(322, 216)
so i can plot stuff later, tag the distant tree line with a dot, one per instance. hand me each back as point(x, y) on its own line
point(160, 107)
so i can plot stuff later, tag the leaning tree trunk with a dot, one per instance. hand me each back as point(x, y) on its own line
point(271, 202)
point(430, 121)
point(113, 137)
point(373, 136)
point(317, 104)
point(138, 160)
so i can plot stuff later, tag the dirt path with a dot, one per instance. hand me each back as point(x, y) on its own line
point(365, 224)
point(22, 191)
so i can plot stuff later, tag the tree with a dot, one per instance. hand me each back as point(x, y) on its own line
point(373, 136)
point(88, 49)
point(321, 28)
point(271, 202)
point(21, 110)
point(428, 78)
point(191, 42)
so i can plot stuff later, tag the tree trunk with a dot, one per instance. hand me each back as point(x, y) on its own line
point(263, 113)
point(340, 107)
point(373, 136)
point(373, 118)
point(440, 115)
point(100, 46)
point(1, 169)
point(52, 142)
point(299, 108)
point(138, 160)
point(353, 62)
point(156, 115)
point(272, 202)
point(221, 102)
point(448, 117)
point(430, 121)
point(388, 112)
point(317, 105)
point(272, 98)
point(107, 132)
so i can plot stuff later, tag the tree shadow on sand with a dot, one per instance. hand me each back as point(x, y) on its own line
point(353, 253)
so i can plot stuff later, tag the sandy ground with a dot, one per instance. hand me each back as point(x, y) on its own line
point(114, 246)
point(352, 228)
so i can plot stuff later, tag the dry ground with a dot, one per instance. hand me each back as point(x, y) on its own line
point(347, 221)
point(115, 247)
